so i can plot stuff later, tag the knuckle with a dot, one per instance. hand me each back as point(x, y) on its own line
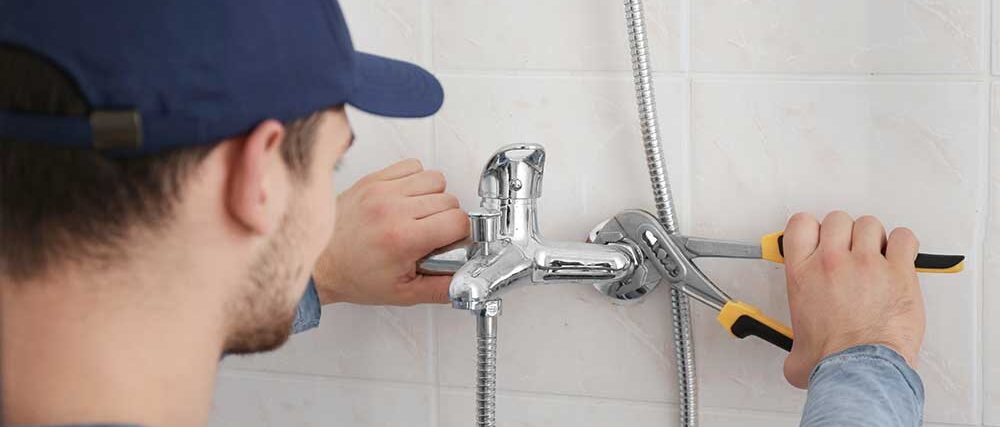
point(832, 261)
point(870, 261)
point(392, 239)
point(376, 209)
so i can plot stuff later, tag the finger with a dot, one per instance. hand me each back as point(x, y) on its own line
point(869, 236)
point(902, 247)
point(427, 290)
point(400, 169)
point(801, 237)
point(442, 229)
point(420, 207)
point(835, 232)
point(424, 182)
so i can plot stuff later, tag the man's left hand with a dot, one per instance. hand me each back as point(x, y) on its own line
point(385, 223)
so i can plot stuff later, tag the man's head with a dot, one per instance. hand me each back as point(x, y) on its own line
point(183, 142)
point(70, 208)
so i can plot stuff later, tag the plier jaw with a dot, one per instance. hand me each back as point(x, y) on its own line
point(665, 257)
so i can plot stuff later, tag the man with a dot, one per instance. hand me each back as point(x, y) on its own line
point(165, 196)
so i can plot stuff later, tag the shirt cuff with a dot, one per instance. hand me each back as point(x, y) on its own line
point(881, 353)
point(308, 312)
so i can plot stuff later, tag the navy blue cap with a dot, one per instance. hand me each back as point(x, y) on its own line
point(171, 73)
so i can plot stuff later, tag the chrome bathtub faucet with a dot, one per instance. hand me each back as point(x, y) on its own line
point(506, 249)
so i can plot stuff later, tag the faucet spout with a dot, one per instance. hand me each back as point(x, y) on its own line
point(507, 249)
point(484, 276)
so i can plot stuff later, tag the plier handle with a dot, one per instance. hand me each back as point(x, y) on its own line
point(669, 257)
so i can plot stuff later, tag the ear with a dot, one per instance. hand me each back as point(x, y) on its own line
point(259, 182)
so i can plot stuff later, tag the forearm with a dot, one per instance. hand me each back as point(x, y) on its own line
point(864, 386)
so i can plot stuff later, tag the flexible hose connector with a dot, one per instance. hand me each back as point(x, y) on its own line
point(646, 101)
point(486, 364)
point(648, 122)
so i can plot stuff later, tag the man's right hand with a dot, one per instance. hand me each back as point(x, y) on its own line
point(386, 222)
point(843, 292)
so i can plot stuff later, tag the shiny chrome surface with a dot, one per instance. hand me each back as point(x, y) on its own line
point(486, 363)
point(507, 250)
point(446, 260)
point(484, 224)
point(663, 258)
point(697, 247)
point(514, 172)
point(514, 253)
point(635, 24)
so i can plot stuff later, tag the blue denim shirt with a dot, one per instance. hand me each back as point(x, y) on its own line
point(868, 385)
point(308, 312)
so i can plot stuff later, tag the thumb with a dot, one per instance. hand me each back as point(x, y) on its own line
point(429, 290)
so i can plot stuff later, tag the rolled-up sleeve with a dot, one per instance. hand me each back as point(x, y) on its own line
point(308, 312)
point(869, 385)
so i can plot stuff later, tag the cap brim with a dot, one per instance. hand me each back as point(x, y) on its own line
point(387, 87)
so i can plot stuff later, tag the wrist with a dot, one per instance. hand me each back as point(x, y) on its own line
point(325, 287)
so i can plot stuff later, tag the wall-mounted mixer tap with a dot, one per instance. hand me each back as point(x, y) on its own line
point(507, 251)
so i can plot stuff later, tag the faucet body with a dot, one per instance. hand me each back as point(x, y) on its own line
point(507, 249)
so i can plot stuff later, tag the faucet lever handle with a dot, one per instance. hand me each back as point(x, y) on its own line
point(485, 224)
point(514, 172)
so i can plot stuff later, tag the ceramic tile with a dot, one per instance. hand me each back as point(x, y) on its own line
point(906, 152)
point(353, 341)
point(549, 35)
point(392, 28)
point(382, 141)
point(251, 400)
point(556, 411)
point(991, 337)
point(847, 36)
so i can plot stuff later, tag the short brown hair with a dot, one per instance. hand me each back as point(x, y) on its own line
point(70, 204)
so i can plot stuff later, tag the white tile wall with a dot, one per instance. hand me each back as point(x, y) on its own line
point(844, 36)
point(991, 340)
point(767, 107)
point(515, 35)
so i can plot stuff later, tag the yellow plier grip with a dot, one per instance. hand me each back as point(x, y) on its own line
point(743, 320)
point(772, 249)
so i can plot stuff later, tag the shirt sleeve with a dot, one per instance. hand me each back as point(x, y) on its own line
point(308, 312)
point(868, 385)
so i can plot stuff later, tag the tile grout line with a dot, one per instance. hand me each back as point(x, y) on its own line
point(315, 376)
point(619, 400)
point(759, 76)
point(988, 31)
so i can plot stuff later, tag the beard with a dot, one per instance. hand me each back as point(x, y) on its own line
point(263, 314)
